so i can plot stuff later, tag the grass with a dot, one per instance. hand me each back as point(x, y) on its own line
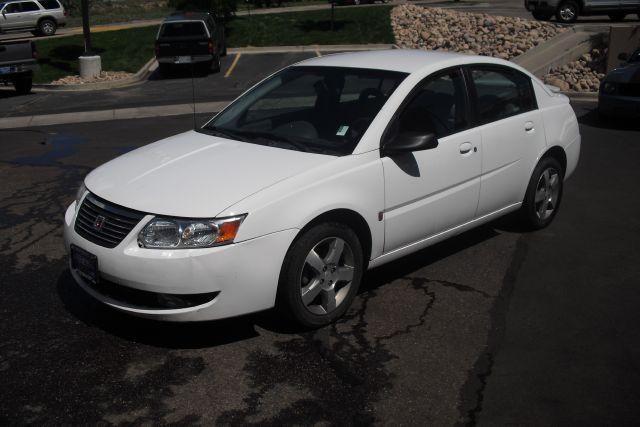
point(351, 26)
point(124, 50)
point(128, 50)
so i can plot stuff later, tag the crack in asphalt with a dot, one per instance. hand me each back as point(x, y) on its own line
point(472, 393)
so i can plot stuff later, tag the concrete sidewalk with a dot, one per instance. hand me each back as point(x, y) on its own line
point(114, 114)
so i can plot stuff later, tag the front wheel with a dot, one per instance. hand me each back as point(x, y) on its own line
point(544, 193)
point(321, 274)
point(567, 12)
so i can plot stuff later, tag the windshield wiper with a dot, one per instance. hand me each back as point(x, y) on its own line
point(226, 133)
point(275, 138)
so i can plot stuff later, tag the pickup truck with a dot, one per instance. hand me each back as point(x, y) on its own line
point(18, 61)
point(190, 39)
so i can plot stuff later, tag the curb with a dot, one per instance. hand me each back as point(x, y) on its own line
point(140, 76)
point(582, 96)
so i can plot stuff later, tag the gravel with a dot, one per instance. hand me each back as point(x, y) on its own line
point(582, 75)
point(474, 33)
point(105, 76)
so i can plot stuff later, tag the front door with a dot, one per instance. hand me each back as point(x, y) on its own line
point(430, 191)
point(11, 16)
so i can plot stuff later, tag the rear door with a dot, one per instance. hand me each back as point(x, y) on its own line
point(512, 133)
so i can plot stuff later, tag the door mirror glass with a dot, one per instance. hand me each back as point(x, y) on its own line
point(410, 141)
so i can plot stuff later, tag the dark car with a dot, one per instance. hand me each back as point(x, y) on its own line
point(17, 64)
point(619, 94)
point(191, 39)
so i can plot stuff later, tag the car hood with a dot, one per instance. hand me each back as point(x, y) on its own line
point(195, 175)
point(629, 73)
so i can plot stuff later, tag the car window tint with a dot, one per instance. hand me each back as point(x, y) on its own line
point(438, 106)
point(501, 93)
point(50, 4)
point(182, 29)
point(12, 8)
point(29, 6)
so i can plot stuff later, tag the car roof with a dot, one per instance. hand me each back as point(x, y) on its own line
point(402, 60)
point(187, 16)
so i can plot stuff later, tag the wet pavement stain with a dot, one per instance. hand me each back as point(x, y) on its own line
point(59, 146)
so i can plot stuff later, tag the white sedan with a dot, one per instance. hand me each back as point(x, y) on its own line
point(325, 169)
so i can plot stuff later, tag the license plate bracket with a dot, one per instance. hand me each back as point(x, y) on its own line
point(85, 264)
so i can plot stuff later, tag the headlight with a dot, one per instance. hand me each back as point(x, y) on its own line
point(608, 87)
point(80, 193)
point(180, 233)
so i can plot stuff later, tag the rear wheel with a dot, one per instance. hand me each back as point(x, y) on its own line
point(544, 193)
point(23, 85)
point(47, 27)
point(321, 274)
point(617, 16)
point(567, 12)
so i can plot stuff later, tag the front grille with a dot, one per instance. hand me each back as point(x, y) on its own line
point(629, 89)
point(150, 300)
point(105, 223)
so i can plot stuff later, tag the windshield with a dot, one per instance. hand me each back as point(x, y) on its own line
point(182, 29)
point(315, 109)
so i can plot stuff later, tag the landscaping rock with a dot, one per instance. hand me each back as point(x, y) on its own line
point(105, 76)
point(582, 75)
point(474, 33)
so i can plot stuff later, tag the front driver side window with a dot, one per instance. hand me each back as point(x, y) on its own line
point(438, 106)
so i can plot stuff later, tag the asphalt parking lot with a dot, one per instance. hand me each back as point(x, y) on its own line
point(493, 327)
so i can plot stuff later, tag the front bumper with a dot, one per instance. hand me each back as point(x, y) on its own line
point(618, 106)
point(243, 276)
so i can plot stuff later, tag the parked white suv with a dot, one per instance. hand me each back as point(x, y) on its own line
point(41, 17)
point(329, 167)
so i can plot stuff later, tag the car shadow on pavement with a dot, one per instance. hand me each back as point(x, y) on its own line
point(593, 119)
point(220, 332)
point(9, 92)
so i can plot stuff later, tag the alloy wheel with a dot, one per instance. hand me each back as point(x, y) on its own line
point(567, 13)
point(48, 28)
point(327, 275)
point(547, 193)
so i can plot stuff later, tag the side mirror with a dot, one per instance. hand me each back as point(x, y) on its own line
point(407, 142)
point(623, 56)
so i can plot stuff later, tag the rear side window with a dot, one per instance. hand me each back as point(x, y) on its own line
point(183, 29)
point(29, 6)
point(50, 4)
point(501, 93)
point(438, 106)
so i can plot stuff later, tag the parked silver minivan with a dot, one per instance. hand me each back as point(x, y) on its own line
point(41, 17)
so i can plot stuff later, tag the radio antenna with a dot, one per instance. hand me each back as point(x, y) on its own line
point(193, 97)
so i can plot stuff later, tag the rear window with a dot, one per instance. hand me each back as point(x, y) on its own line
point(182, 29)
point(50, 4)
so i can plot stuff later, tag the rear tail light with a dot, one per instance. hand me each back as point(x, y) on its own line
point(210, 46)
point(66, 12)
point(34, 52)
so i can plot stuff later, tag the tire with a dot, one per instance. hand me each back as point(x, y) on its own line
point(544, 194)
point(320, 275)
point(215, 64)
point(542, 16)
point(567, 12)
point(164, 69)
point(617, 16)
point(23, 85)
point(47, 27)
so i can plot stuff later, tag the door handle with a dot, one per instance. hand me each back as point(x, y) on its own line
point(465, 147)
point(528, 126)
